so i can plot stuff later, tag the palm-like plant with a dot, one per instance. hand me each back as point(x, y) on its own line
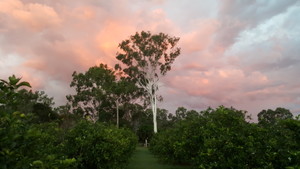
point(8, 89)
point(13, 83)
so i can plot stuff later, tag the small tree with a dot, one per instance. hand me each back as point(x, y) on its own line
point(146, 58)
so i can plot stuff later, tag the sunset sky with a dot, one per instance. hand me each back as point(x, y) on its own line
point(244, 54)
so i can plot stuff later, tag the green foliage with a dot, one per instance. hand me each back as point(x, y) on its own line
point(145, 58)
point(143, 159)
point(221, 138)
point(143, 123)
point(144, 51)
point(27, 145)
point(8, 92)
point(100, 93)
point(12, 99)
point(91, 99)
point(99, 146)
point(270, 117)
point(145, 128)
point(37, 137)
point(14, 83)
point(44, 113)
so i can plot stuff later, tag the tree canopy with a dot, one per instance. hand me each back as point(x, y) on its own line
point(145, 58)
point(99, 93)
point(272, 116)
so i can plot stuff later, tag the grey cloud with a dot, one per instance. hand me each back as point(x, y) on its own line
point(254, 12)
point(53, 37)
point(236, 16)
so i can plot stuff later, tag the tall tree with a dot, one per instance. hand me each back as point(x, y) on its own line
point(147, 58)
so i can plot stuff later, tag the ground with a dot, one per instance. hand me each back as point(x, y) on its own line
point(143, 159)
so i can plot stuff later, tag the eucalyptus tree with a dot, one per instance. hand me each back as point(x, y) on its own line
point(146, 58)
point(99, 92)
point(122, 91)
point(90, 97)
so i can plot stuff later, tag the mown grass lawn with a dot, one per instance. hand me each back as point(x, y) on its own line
point(143, 159)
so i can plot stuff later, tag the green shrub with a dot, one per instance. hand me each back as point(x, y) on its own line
point(87, 145)
point(222, 138)
point(25, 145)
point(99, 146)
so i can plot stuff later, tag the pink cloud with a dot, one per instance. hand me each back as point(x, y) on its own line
point(201, 38)
point(55, 39)
point(219, 86)
point(48, 40)
point(108, 38)
point(34, 16)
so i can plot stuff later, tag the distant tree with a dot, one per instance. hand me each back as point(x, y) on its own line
point(122, 91)
point(181, 113)
point(145, 126)
point(146, 59)
point(44, 113)
point(27, 99)
point(192, 114)
point(272, 116)
point(134, 113)
point(91, 95)
point(100, 93)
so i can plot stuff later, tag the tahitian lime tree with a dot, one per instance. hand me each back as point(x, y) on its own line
point(145, 59)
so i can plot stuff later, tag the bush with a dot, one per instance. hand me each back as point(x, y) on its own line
point(29, 145)
point(99, 146)
point(26, 145)
point(33, 138)
point(222, 138)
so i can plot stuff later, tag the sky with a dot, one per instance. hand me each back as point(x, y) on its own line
point(243, 54)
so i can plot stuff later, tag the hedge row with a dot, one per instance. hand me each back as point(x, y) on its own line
point(46, 145)
point(222, 138)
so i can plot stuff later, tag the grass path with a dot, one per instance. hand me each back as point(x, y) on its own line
point(143, 159)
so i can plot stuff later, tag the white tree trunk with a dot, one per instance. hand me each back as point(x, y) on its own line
point(117, 104)
point(151, 88)
point(154, 111)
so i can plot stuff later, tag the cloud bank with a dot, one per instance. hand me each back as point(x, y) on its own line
point(243, 54)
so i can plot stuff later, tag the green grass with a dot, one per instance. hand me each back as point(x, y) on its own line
point(143, 159)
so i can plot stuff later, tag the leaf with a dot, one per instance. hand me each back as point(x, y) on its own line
point(13, 80)
point(23, 84)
